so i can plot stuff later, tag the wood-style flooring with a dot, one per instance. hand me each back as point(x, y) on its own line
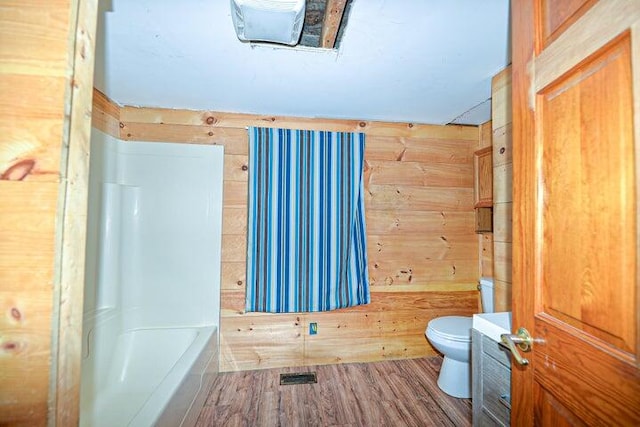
point(390, 393)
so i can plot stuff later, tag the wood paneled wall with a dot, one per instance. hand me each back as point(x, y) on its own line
point(423, 252)
point(502, 188)
point(46, 80)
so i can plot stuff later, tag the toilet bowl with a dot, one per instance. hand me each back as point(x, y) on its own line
point(451, 336)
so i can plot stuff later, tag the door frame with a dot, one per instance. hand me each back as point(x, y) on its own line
point(523, 21)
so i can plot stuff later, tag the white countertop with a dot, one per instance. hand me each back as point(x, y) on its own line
point(493, 324)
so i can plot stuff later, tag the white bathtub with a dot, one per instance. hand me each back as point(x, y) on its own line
point(152, 283)
point(146, 377)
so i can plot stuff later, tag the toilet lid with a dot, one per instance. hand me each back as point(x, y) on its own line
point(456, 328)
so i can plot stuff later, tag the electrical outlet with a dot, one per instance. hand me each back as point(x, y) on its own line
point(313, 328)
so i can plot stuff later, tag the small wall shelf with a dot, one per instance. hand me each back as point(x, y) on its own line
point(484, 220)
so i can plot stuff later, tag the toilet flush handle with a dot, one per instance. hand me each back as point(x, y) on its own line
point(521, 340)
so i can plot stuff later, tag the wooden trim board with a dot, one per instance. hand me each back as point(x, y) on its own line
point(334, 10)
point(72, 220)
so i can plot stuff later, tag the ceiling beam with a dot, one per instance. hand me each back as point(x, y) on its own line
point(332, 18)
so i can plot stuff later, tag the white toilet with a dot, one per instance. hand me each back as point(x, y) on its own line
point(451, 336)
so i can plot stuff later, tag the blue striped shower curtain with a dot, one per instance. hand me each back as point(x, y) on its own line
point(306, 237)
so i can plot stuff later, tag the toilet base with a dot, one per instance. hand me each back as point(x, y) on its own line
point(455, 378)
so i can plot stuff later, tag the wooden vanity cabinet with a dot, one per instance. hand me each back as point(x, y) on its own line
point(491, 382)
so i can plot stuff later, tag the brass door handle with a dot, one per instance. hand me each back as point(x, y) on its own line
point(521, 340)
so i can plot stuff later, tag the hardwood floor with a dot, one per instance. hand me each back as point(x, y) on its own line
point(390, 393)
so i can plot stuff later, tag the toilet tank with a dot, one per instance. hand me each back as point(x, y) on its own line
point(486, 294)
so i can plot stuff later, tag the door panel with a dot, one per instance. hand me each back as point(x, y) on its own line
point(553, 413)
point(557, 15)
point(595, 385)
point(588, 216)
point(576, 211)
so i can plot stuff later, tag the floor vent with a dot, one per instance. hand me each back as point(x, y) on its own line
point(298, 378)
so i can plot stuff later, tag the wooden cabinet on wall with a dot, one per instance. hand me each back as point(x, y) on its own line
point(483, 189)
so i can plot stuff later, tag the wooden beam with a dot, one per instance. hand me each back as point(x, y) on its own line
point(105, 114)
point(72, 220)
point(135, 120)
point(332, 18)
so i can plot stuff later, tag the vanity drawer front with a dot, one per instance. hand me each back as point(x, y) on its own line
point(487, 419)
point(496, 390)
point(494, 350)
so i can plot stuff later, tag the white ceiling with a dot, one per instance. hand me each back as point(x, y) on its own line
point(422, 61)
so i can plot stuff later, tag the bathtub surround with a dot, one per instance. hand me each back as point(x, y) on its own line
point(421, 241)
point(153, 282)
point(306, 232)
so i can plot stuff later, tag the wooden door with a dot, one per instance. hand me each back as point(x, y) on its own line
point(576, 120)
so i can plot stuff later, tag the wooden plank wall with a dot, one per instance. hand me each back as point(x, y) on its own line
point(423, 251)
point(502, 188)
point(33, 83)
point(485, 240)
point(42, 120)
